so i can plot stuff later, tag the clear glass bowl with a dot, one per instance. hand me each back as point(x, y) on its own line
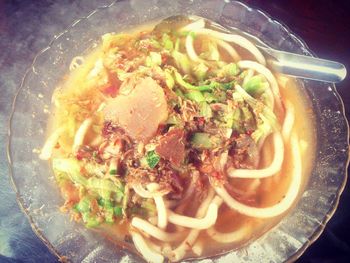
point(33, 180)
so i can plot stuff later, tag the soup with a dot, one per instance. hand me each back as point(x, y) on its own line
point(180, 139)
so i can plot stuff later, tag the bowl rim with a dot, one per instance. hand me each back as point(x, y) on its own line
point(283, 26)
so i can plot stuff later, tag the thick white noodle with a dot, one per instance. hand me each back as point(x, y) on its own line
point(50, 144)
point(200, 23)
point(229, 49)
point(250, 189)
point(288, 121)
point(270, 99)
point(154, 231)
point(229, 237)
point(271, 170)
point(149, 254)
point(161, 211)
point(198, 247)
point(80, 134)
point(157, 248)
point(197, 223)
point(248, 64)
point(178, 253)
point(147, 194)
point(153, 220)
point(249, 75)
point(236, 39)
point(190, 49)
point(284, 204)
point(160, 205)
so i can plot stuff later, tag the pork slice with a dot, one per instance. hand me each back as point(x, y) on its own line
point(140, 111)
point(171, 146)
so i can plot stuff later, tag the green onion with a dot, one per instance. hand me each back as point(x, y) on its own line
point(236, 120)
point(113, 172)
point(254, 86)
point(177, 44)
point(201, 140)
point(118, 211)
point(228, 70)
point(84, 205)
point(119, 195)
point(227, 85)
point(103, 184)
point(167, 43)
point(248, 119)
point(205, 109)
point(113, 167)
point(209, 97)
point(200, 71)
point(186, 85)
point(109, 213)
point(212, 52)
point(154, 59)
point(90, 221)
point(173, 120)
point(195, 96)
point(179, 93)
point(152, 159)
point(149, 206)
point(182, 61)
point(169, 80)
point(220, 95)
point(106, 203)
point(70, 167)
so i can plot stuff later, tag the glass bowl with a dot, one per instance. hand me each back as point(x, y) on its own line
point(33, 180)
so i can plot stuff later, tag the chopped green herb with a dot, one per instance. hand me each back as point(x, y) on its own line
point(152, 159)
point(71, 167)
point(209, 97)
point(167, 43)
point(205, 109)
point(84, 205)
point(182, 61)
point(113, 172)
point(106, 203)
point(200, 71)
point(90, 221)
point(201, 140)
point(169, 80)
point(118, 211)
point(109, 213)
point(228, 70)
point(195, 96)
point(255, 85)
point(186, 85)
point(154, 59)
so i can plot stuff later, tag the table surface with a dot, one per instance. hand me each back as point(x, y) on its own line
point(27, 26)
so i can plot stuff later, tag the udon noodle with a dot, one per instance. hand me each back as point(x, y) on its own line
point(178, 138)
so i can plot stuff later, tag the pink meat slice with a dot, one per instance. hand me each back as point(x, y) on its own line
point(140, 111)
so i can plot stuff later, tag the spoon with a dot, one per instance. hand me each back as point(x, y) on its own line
point(292, 64)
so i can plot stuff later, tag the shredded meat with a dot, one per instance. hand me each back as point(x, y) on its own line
point(171, 147)
point(110, 128)
point(244, 152)
point(171, 180)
